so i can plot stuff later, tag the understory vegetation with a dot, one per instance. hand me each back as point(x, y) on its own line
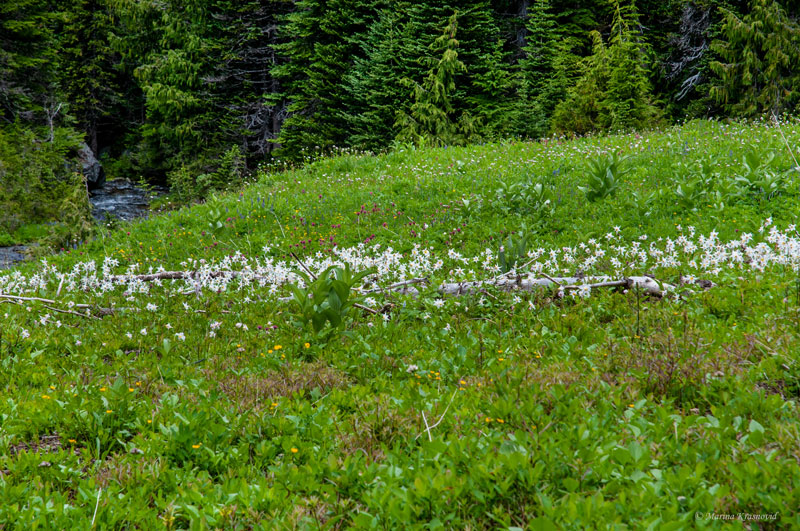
point(251, 362)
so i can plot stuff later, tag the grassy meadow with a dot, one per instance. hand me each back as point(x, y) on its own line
point(246, 394)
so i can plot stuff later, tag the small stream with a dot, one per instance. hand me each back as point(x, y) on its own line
point(11, 255)
point(123, 200)
point(118, 199)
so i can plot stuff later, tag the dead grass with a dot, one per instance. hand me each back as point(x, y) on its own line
point(45, 444)
point(120, 469)
point(668, 366)
point(257, 392)
point(375, 426)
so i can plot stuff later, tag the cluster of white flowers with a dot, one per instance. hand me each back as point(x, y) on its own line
point(694, 254)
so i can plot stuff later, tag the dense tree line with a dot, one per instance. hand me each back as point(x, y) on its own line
point(199, 90)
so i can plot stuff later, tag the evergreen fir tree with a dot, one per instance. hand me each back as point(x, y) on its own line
point(614, 91)
point(321, 44)
point(398, 47)
point(89, 71)
point(432, 118)
point(172, 51)
point(28, 61)
point(242, 81)
point(540, 83)
point(372, 84)
point(759, 70)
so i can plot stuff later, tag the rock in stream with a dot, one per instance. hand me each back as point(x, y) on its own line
point(11, 255)
point(122, 200)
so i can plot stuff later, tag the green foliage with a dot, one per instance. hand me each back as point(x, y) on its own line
point(37, 181)
point(614, 90)
point(216, 218)
point(645, 204)
point(27, 60)
point(158, 86)
point(542, 72)
point(327, 298)
point(74, 215)
point(604, 173)
point(89, 70)
point(167, 50)
point(320, 45)
point(758, 175)
point(759, 67)
point(513, 252)
point(373, 97)
point(526, 197)
point(187, 185)
point(694, 183)
point(198, 80)
point(398, 55)
point(432, 118)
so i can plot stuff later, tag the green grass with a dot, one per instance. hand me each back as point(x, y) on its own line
point(215, 407)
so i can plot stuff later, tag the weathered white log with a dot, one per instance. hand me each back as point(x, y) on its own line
point(646, 285)
point(403, 288)
point(92, 311)
point(171, 275)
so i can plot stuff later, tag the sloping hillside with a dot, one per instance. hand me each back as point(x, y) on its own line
point(204, 368)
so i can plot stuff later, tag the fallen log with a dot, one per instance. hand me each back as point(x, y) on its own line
point(92, 311)
point(405, 287)
point(645, 285)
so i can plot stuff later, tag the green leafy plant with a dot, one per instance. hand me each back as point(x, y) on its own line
point(524, 197)
point(512, 252)
point(758, 175)
point(644, 204)
point(215, 218)
point(690, 194)
point(328, 298)
point(470, 206)
point(604, 174)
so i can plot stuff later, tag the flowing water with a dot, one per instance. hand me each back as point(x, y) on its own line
point(121, 199)
point(11, 255)
point(118, 199)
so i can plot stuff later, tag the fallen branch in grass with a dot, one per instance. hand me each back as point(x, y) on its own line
point(644, 284)
point(406, 287)
point(93, 311)
point(548, 277)
point(87, 315)
point(429, 428)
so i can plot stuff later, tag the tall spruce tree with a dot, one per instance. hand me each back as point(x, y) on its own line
point(541, 84)
point(614, 91)
point(432, 118)
point(28, 61)
point(759, 69)
point(372, 84)
point(242, 81)
point(321, 45)
point(181, 55)
point(89, 72)
point(398, 47)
